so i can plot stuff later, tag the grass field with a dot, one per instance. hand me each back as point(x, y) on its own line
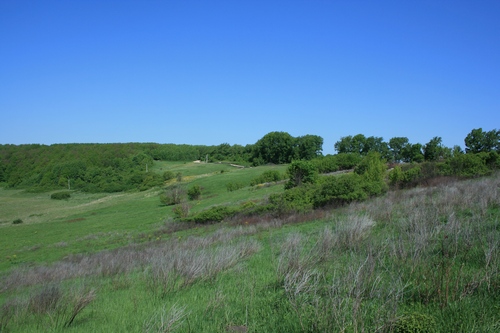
point(51, 229)
point(420, 260)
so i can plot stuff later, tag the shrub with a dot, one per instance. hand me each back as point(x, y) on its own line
point(150, 180)
point(181, 210)
point(194, 192)
point(17, 221)
point(214, 214)
point(301, 172)
point(295, 200)
point(406, 176)
point(347, 161)
point(371, 167)
point(396, 176)
point(429, 170)
point(60, 195)
point(326, 164)
point(492, 160)
point(268, 176)
point(167, 175)
point(412, 175)
point(340, 190)
point(233, 186)
point(173, 195)
point(467, 165)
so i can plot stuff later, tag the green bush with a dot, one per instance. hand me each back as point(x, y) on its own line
point(60, 195)
point(172, 195)
point(467, 165)
point(347, 161)
point(268, 176)
point(406, 176)
point(194, 192)
point(492, 160)
point(371, 167)
point(396, 176)
point(168, 175)
point(326, 164)
point(340, 190)
point(181, 210)
point(214, 214)
point(150, 180)
point(412, 175)
point(415, 323)
point(295, 200)
point(178, 176)
point(17, 221)
point(233, 186)
point(301, 172)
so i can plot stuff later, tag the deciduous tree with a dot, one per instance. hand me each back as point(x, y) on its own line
point(397, 146)
point(478, 141)
point(433, 150)
point(308, 147)
point(274, 147)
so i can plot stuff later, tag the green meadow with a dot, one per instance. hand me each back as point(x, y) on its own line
point(424, 259)
point(89, 222)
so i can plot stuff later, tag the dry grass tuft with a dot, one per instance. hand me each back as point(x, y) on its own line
point(166, 321)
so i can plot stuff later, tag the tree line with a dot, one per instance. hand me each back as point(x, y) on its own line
point(124, 166)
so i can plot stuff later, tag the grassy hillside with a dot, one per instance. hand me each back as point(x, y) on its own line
point(418, 260)
point(89, 222)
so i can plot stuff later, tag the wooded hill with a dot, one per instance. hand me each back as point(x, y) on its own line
point(124, 166)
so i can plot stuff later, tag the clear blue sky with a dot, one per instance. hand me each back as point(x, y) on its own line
point(212, 72)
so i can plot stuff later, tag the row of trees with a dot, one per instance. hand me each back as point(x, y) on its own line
point(399, 149)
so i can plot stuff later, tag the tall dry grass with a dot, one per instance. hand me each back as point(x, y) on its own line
point(165, 321)
point(438, 246)
point(137, 257)
point(54, 306)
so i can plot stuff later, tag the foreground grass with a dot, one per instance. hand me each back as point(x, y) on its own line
point(421, 260)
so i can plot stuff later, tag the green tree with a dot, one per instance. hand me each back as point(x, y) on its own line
point(456, 151)
point(301, 172)
point(351, 144)
point(2, 173)
point(274, 147)
point(397, 146)
point(376, 144)
point(433, 150)
point(359, 144)
point(478, 141)
point(413, 153)
point(308, 147)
